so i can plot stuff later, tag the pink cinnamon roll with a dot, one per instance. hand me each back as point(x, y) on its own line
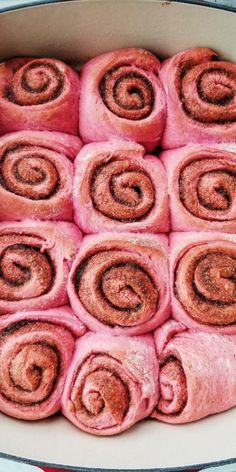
point(201, 98)
point(197, 373)
point(202, 187)
point(112, 383)
point(118, 188)
point(122, 97)
point(119, 284)
point(202, 277)
point(36, 176)
point(38, 94)
point(35, 260)
point(35, 354)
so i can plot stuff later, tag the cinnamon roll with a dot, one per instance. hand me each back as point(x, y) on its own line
point(201, 98)
point(203, 268)
point(111, 384)
point(202, 187)
point(122, 97)
point(118, 188)
point(35, 354)
point(119, 284)
point(36, 176)
point(35, 259)
point(38, 94)
point(197, 373)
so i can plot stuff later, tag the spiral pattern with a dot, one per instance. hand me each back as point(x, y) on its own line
point(207, 91)
point(25, 271)
point(207, 185)
point(173, 387)
point(35, 83)
point(27, 170)
point(122, 290)
point(32, 363)
point(127, 191)
point(100, 395)
point(127, 92)
point(205, 282)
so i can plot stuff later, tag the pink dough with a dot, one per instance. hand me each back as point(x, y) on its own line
point(201, 98)
point(119, 283)
point(122, 97)
point(119, 188)
point(111, 384)
point(38, 94)
point(201, 185)
point(36, 176)
point(34, 264)
point(202, 268)
point(35, 354)
point(197, 373)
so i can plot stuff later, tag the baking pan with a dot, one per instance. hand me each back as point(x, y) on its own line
point(75, 31)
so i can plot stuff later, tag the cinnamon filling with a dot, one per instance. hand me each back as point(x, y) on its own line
point(121, 291)
point(27, 171)
point(28, 371)
point(205, 283)
point(127, 93)
point(173, 387)
point(35, 83)
point(100, 395)
point(122, 191)
point(25, 272)
point(207, 186)
point(207, 91)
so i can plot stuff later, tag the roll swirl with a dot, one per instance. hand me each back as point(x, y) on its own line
point(36, 176)
point(203, 268)
point(117, 187)
point(38, 94)
point(34, 264)
point(126, 295)
point(201, 98)
point(127, 93)
point(122, 97)
point(130, 187)
point(201, 181)
point(214, 193)
point(207, 91)
point(208, 274)
point(111, 384)
point(36, 82)
point(35, 353)
point(197, 373)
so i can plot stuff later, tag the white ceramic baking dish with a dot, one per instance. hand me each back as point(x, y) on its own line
point(75, 31)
